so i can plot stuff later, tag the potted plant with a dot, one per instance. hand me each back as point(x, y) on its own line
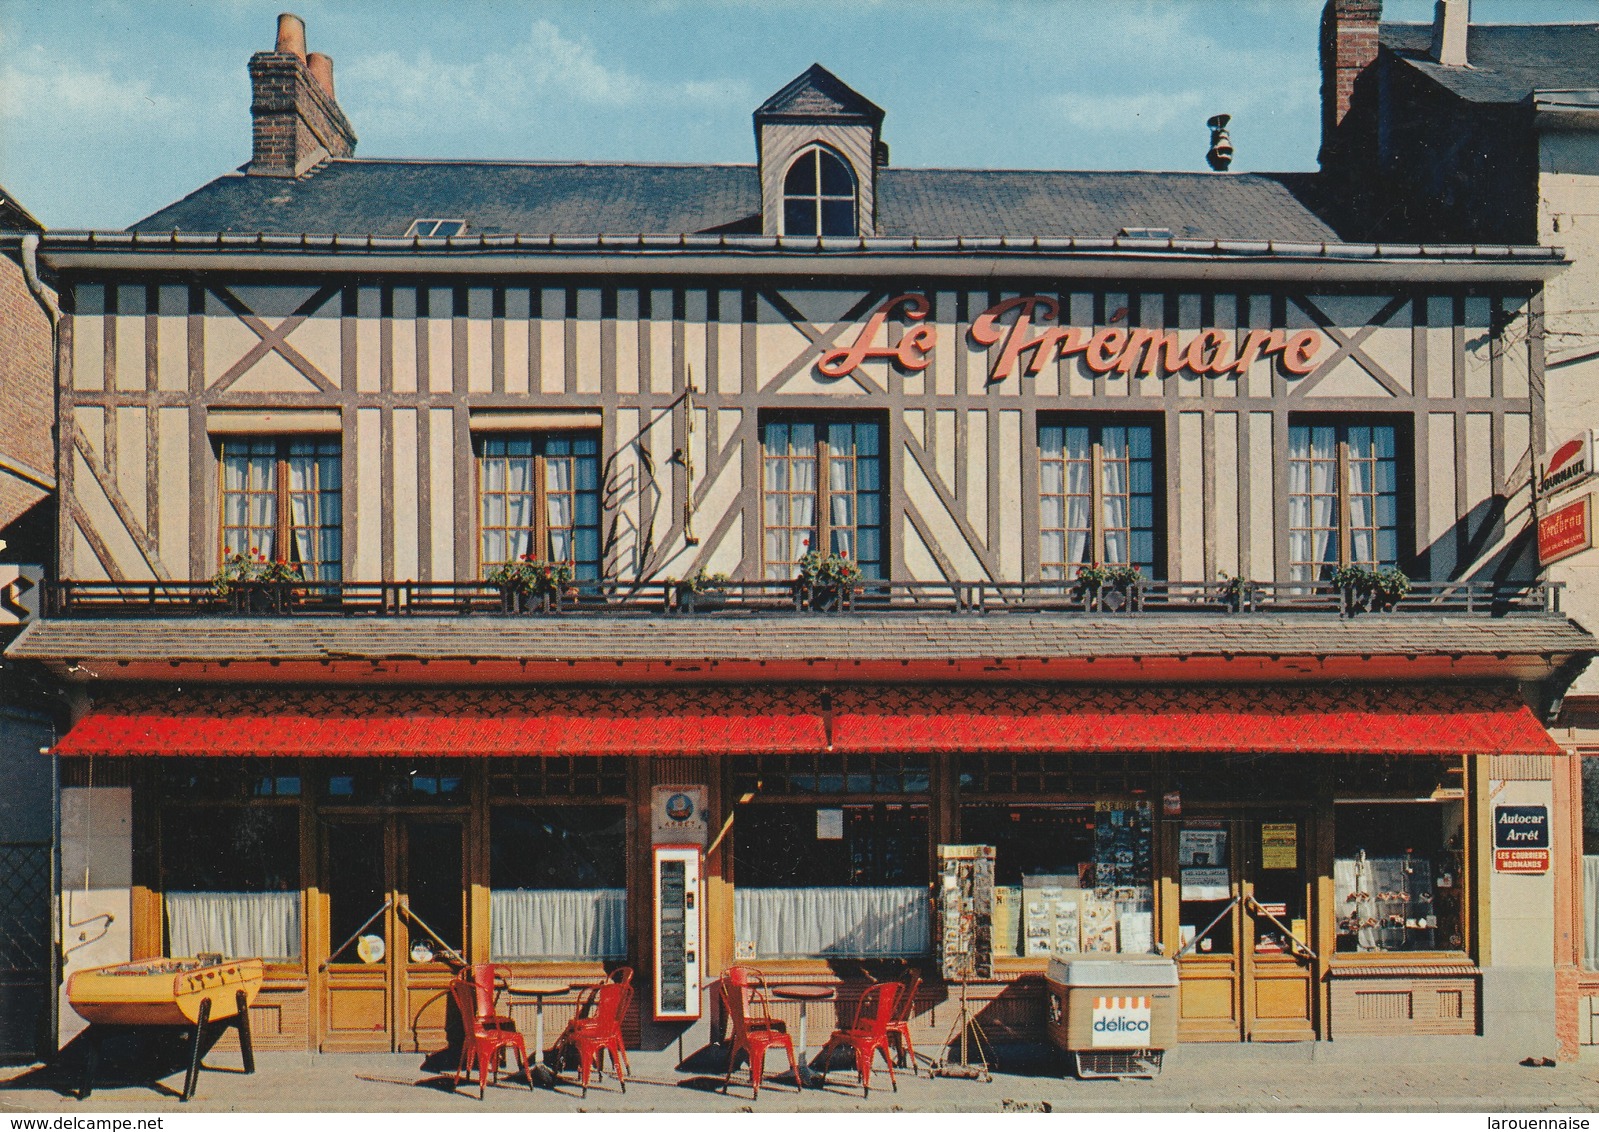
point(826, 580)
point(1120, 582)
point(1237, 590)
point(527, 583)
point(700, 591)
point(1366, 589)
point(254, 583)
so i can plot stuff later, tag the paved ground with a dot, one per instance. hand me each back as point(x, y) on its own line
point(1195, 1078)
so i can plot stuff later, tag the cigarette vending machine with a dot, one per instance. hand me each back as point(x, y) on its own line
point(678, 931)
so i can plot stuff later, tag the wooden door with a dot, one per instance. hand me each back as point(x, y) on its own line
point(358, 954)
point(1243, 916)
point(395, 929)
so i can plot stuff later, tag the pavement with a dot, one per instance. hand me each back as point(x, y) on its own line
point(1308, 1077)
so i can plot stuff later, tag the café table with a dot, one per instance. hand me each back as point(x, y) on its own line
point(538, 992)
point(804, 994)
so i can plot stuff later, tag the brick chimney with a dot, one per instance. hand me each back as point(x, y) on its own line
point(297, 121)
point(1348, 47)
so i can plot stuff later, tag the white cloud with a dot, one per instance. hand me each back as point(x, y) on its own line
point(37, 87)
point(548, 68)
point(1118, 113)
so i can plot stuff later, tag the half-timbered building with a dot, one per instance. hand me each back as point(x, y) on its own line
point(1058, 511)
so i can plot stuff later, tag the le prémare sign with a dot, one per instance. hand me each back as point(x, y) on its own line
point(1024, 328)
point(1521, 839)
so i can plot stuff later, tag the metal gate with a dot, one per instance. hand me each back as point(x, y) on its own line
point(25, 968)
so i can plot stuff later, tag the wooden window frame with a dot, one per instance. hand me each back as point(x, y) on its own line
point(282, 493)
point(541, 528)
point(823, 493)
point(818, 197)
point(1403, 492)
point(1097, 529)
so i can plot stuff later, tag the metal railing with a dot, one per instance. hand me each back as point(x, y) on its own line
point(83, 599)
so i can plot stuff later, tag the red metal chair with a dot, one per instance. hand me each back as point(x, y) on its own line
point(899, 1026)
point(754, 1030)
point(866, 1035)
point(598, 1029)
point(483, 1042)
point(490, 979)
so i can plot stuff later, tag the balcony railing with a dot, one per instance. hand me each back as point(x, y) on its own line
point(360, 599)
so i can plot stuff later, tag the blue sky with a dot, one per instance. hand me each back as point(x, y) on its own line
point(110, 109)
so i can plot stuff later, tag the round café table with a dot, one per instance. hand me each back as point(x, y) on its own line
point(804, 994)
point(538, 992)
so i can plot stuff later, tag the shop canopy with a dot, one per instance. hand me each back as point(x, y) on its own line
point(1389, 719)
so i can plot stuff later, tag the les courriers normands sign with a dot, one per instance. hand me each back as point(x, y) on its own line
point(1024, 326)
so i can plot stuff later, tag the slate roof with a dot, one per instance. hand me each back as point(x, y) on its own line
point(816, 94)
point(1507, 61)
point(381, 197)
point(848, 638)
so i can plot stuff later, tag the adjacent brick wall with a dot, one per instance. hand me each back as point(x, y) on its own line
point(26, 408)
point(296, 123)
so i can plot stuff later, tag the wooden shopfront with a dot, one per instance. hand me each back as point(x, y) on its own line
point(371, 874)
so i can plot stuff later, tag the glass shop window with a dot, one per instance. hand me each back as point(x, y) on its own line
point(1069, 877)
point(1399, 878)
point(557, 882)
point(230, 878)
point(830, 879)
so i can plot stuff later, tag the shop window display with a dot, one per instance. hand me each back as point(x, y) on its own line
point(558, 882)
point(1069, 877)
point(831, 879)
point(1399, 875)
point(231, 878)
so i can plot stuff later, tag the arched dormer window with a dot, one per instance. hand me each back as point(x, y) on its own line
point(819, 195)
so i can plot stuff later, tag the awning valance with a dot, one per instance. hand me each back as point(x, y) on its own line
point(798, 719)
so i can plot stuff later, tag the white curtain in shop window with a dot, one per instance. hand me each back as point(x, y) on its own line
point(797, 922)
point(1590, 913)
point(237, 924)
point(557, 923)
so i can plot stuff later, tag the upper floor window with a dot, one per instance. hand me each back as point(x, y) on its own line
point(1096, 497)
point(823, 491)
point(431, 227)
point(819, 195)
point(539, 495)
point(1343, 498)
point(283, 498)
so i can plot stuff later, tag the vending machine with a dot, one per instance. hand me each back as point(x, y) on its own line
point(679, 929)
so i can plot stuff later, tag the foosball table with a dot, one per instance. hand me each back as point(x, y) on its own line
point(194, 994)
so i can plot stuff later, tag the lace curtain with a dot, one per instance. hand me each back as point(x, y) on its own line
point(557, 923)
point(237, 924)
point(858, 922)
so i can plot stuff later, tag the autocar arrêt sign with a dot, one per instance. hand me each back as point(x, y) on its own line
point(1521, 839)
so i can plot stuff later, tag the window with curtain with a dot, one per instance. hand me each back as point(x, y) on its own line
point(282, 498)
point(831, 857)
point(539, 495)
point(231, 877)
point(1097, 497)
point(557, 882)
point(1343, 498)
point(819, 195)
point(823, 491)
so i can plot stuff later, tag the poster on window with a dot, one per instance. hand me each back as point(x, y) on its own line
point(1201, 847)
point(1206, 884)
point(1279, 846)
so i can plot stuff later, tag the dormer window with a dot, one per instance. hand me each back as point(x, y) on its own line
point(819, 195)
point(435, 227)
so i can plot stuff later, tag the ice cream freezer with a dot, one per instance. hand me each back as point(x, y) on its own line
point(1114, 1014)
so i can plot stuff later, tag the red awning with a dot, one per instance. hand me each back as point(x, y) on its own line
point(796, 719)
